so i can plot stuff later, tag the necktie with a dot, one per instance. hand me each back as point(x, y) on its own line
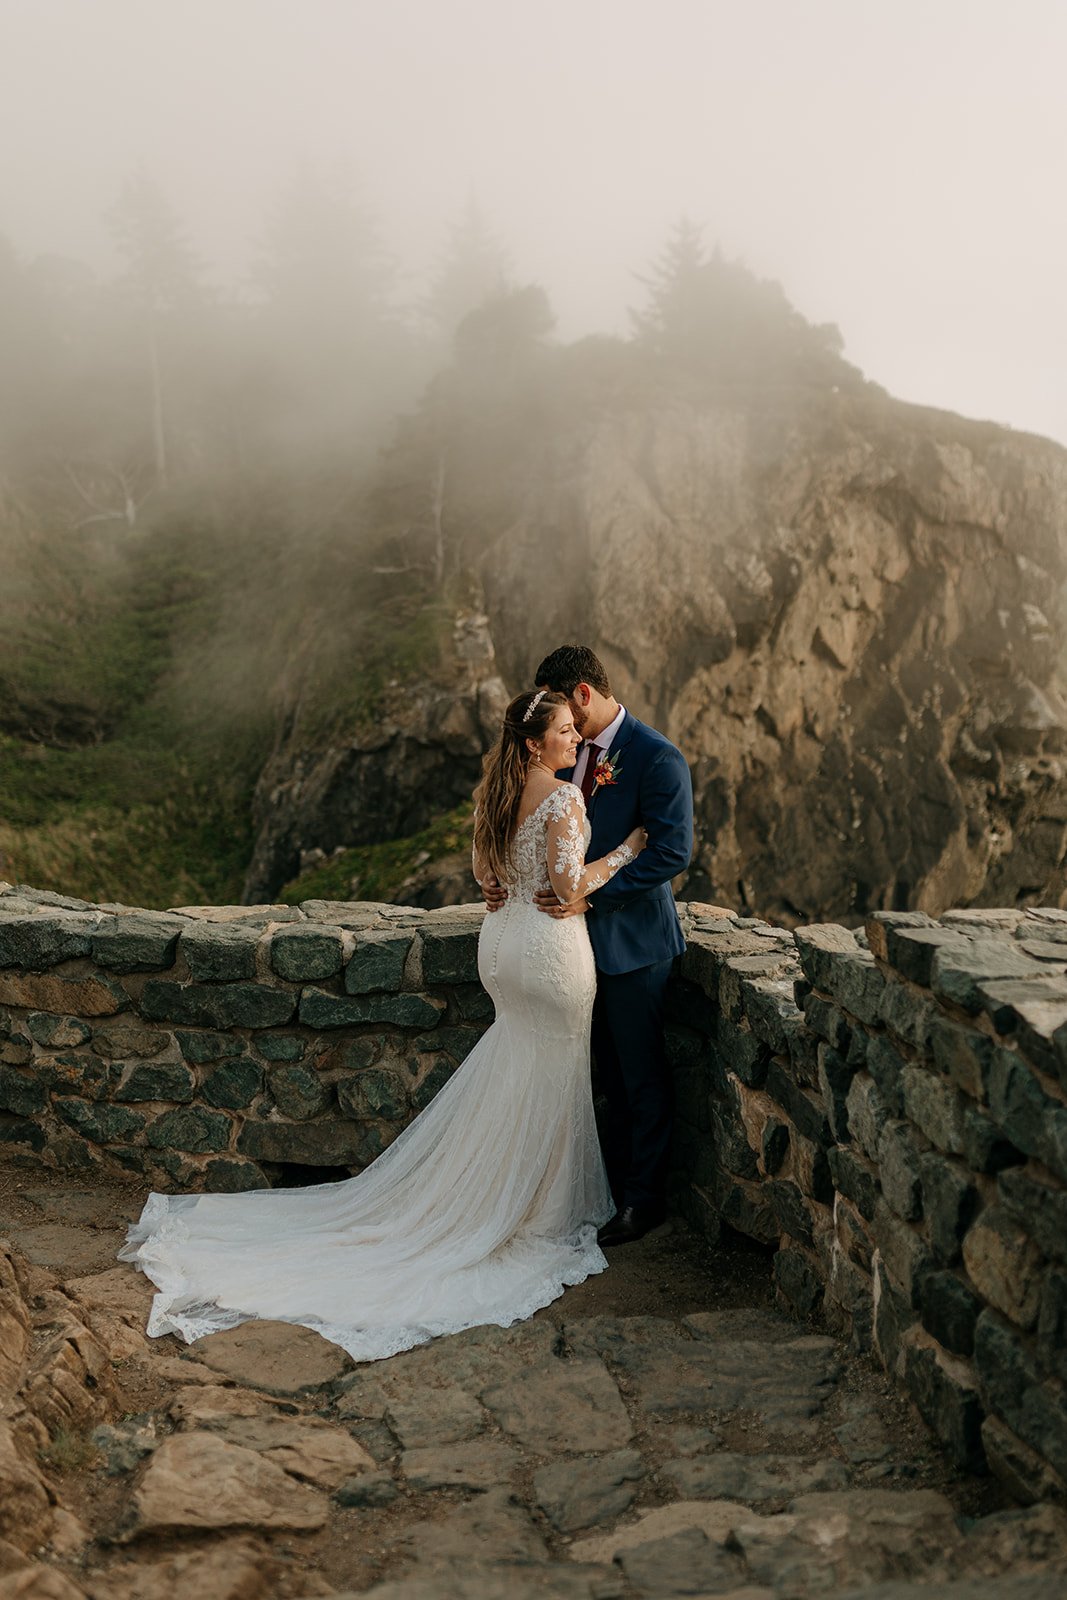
point(590, 768)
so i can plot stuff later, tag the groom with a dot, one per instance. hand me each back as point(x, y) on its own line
point(631, 776)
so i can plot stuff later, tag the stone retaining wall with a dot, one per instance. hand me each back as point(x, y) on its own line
point(888, 1110)
point(215, 1047)
point(884, 1110)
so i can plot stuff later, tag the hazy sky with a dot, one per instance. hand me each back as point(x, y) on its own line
point(900, 165)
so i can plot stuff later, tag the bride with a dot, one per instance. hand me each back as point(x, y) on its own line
point(487, 1205)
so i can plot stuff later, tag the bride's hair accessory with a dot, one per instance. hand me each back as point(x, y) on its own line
point(534, 703)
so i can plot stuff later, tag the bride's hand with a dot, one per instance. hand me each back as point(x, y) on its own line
point(637, 840)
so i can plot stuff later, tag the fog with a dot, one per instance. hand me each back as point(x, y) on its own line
point(899, 167)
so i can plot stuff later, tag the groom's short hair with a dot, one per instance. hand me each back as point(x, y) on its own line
point(569, 666)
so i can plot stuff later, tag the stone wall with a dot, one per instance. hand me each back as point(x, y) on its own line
point(885, 1110)
point(218, 1047)
point(888, 1110)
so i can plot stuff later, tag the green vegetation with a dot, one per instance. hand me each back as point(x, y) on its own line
point(377, 871)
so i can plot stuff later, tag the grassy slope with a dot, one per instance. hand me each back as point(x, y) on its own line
point(377, 871)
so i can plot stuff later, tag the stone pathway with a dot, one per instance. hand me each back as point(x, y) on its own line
point(719, 1449)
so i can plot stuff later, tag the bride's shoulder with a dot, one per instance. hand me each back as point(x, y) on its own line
point(562, 799)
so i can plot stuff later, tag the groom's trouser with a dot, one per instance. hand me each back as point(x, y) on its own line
point(631, 1075)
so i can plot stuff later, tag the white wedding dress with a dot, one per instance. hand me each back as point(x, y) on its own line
point(482, 1210)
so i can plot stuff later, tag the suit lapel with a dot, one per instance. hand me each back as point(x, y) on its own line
point(618, 745)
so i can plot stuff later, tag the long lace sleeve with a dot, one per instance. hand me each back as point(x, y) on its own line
point(570, 875)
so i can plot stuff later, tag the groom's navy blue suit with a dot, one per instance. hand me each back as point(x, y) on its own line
point(633, 926)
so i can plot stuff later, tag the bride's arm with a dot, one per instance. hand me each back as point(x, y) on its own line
point(571, 876)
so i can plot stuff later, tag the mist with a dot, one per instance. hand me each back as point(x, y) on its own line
point(896, 168)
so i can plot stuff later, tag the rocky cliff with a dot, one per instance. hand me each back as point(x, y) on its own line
point(847, 611)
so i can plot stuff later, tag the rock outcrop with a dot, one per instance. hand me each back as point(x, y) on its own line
point(846, 610)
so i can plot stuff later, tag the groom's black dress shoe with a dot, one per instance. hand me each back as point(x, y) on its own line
point(631, 1223)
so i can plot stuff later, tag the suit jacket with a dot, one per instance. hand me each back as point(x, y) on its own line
point(633, 920)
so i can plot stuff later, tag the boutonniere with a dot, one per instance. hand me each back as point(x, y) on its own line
point(606, 771)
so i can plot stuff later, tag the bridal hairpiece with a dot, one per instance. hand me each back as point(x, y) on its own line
point(534, 703)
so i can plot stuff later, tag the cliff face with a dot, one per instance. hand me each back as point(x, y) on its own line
point(847, 612)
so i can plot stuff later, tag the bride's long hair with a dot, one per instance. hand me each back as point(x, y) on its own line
point(499, 795)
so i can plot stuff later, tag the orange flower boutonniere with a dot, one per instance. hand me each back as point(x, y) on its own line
point(606, 771)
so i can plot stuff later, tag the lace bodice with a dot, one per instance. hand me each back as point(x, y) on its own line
point(549, 849)
point(529, 848)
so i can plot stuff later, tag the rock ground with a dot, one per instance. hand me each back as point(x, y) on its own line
point(661, 1430)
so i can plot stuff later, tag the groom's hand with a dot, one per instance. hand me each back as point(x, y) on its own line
point(545, 900)
point(494, 894)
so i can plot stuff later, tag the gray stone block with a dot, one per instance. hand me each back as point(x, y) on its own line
point(303, 954)
point(376, 1092)
point(232, 1084)
point(908, 1013)
point(21, 1093)
point(316, 1144)
point(43, 941)
point(791, 1208)
point(192, 1130)
point(440, 1068)
point(229, 1005)
point(867, 1115)
point(1013, 1390)
point(827, 1021)
point(281, 1047)
point(1032, 1011)
point(960, 972)
point(1004, 1265)
point(1030, 1118)
point(856, 1178)
point(797, 1279)
point(893, 1317)
point(912, 950)
point(156, 1080)
point(1052, 1323)
point(100, 1123)
point(220, 952)
point(746, 1054)
point(1040, 1206)
point(202, 1047)
point(771, 1011)
point(950, 1311)
point(886, 1067)
point(140, 943)
point(298, 1092)
point(231, 1175)
point(57, 1033)
point(898, 1162)
point(962, 1055)
point(822, 947)
point(985, 1148)
point(947, 1396)
point(377, 963)
point(804, 1108)
point(321, 1010)
point(934, 1106)
point(450, 955)
point(904, 1251)
point(879, 924)
point(950, 1203)
point(1029, 1481)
